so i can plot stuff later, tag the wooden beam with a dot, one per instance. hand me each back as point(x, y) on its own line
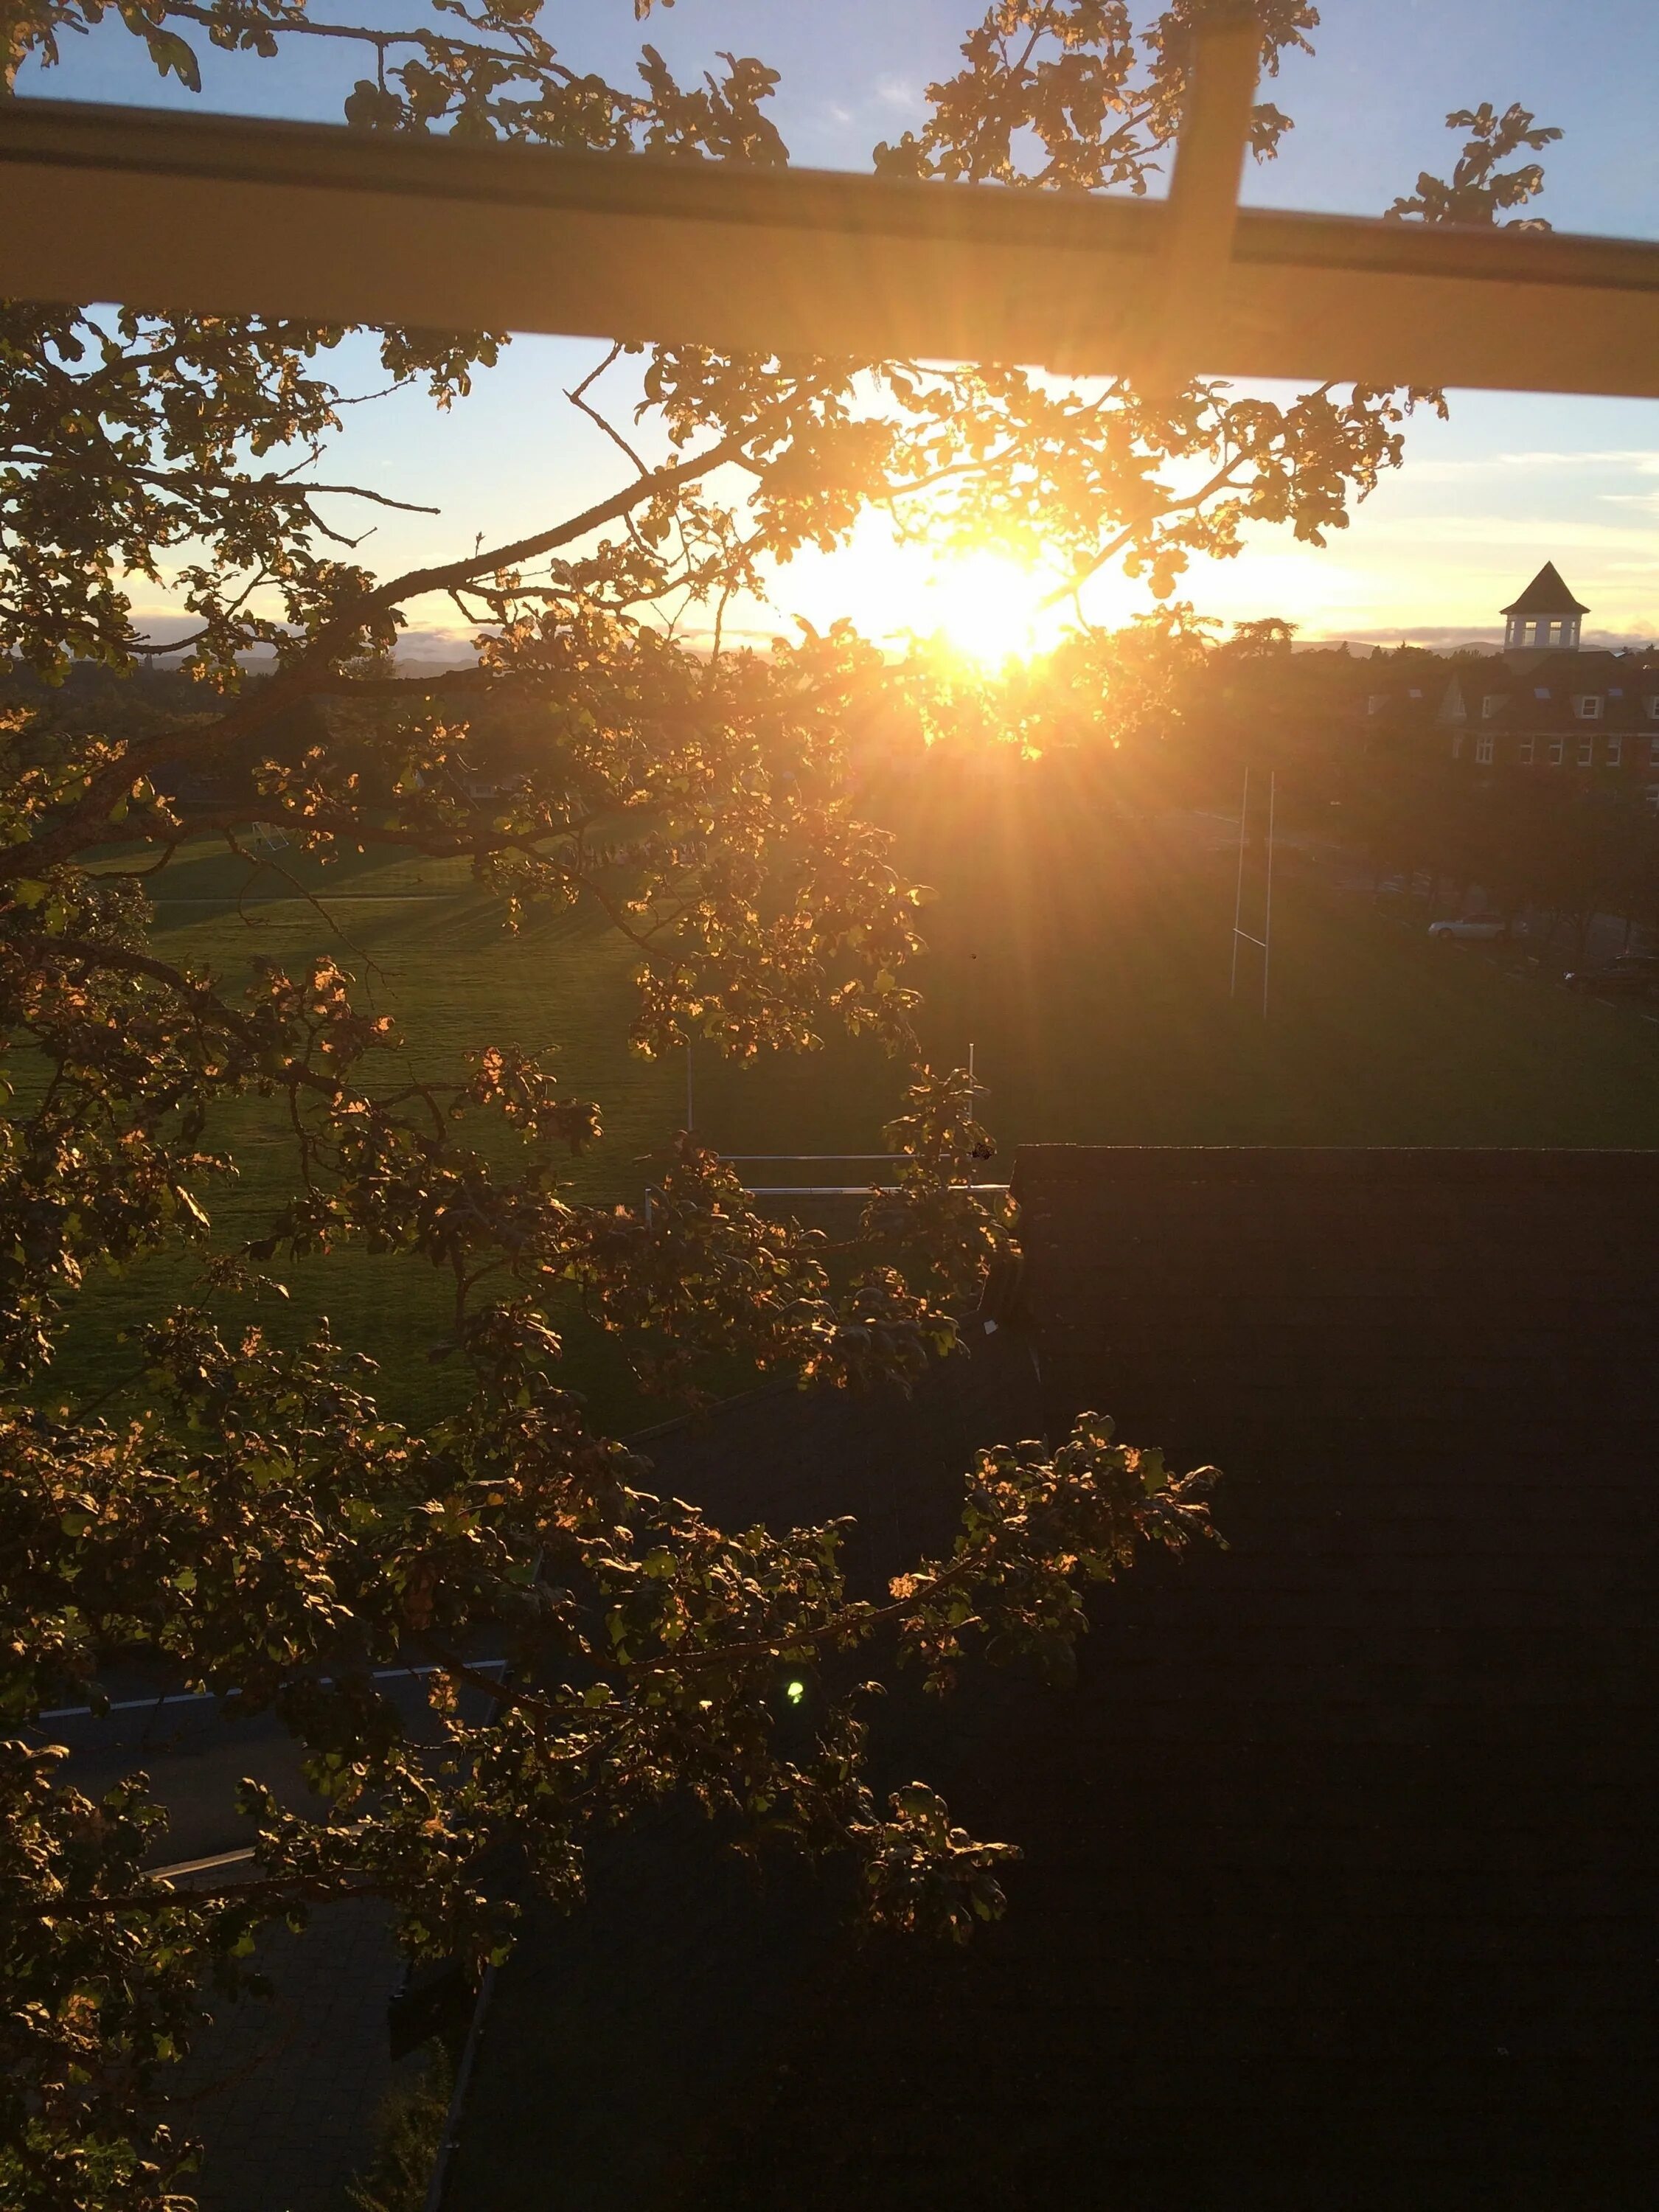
point(216, 215)
point(1202, 221)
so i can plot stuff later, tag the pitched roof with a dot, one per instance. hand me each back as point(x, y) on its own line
point(1340, 1881)
point(1533, 693)
point(1547, 595)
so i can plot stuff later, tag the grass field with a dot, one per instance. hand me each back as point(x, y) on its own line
point(428, 949)
point(1086, 957)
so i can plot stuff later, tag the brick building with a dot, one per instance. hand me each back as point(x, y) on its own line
point(1544, 703)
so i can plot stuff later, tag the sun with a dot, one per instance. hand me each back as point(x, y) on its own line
point(988, 606)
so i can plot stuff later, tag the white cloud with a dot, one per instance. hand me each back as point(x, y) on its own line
point(1640, 460)
point(1643, 458)
point(1519, 534)
point(895, 92)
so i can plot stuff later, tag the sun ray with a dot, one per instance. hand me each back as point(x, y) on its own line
point(988, 606)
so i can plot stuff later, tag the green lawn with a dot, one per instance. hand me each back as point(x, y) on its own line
point(431, 951)
point(1088, 960)
point(1086, 957)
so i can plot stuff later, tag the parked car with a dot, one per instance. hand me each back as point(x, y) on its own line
point(1472, 929)
point(1632, 976)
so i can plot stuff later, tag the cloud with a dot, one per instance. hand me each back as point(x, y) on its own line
point(454, 648)
point(1428, 634)
point(446, 648)
point(895, 92)
point(1455, 634)
point(1518, 535)
point(1641, 460)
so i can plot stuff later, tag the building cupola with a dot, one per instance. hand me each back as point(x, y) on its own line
point(1546, 614)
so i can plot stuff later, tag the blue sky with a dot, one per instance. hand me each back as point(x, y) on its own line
point(1512, 480)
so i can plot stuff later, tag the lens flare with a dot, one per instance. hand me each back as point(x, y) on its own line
point(988, 606)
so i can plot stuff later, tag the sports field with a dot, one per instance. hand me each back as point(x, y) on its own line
point(1084, 954)
point(1087, 955)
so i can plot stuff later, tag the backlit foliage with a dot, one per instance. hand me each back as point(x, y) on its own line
point(244, 1513)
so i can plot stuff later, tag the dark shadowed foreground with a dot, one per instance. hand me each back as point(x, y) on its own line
point(1341, 1883)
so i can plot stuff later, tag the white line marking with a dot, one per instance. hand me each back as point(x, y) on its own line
point(202, 1866)
point(206, 1696)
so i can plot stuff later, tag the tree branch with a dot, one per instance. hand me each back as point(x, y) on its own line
point(201, 997)
point(313, 672)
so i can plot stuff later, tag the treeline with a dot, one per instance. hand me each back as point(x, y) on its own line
point(1160, 715)
point(1564, 848)
point(1522, 841)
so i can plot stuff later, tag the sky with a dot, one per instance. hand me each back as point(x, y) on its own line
point(1510, 481)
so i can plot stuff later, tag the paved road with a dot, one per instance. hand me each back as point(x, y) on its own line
point(195, 1756)
point(283, 2093)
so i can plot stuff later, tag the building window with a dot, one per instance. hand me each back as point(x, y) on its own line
point(1413, 694)
point(1541, 695)
point(1492, 704)
point(1375, 703)
point(1586, 752)
point(1653, 752)
point(1587, 707)
point(1457, 746)
point(1483, 751)
point(1525, 753)
point(1558, 749)
point(1651, 795)
point(1615, 751)
point(1653, 710)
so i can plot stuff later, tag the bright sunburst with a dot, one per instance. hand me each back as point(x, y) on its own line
point(988, 606)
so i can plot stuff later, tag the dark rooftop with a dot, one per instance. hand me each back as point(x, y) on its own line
point(1341, 1884)
point(1546, 595)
